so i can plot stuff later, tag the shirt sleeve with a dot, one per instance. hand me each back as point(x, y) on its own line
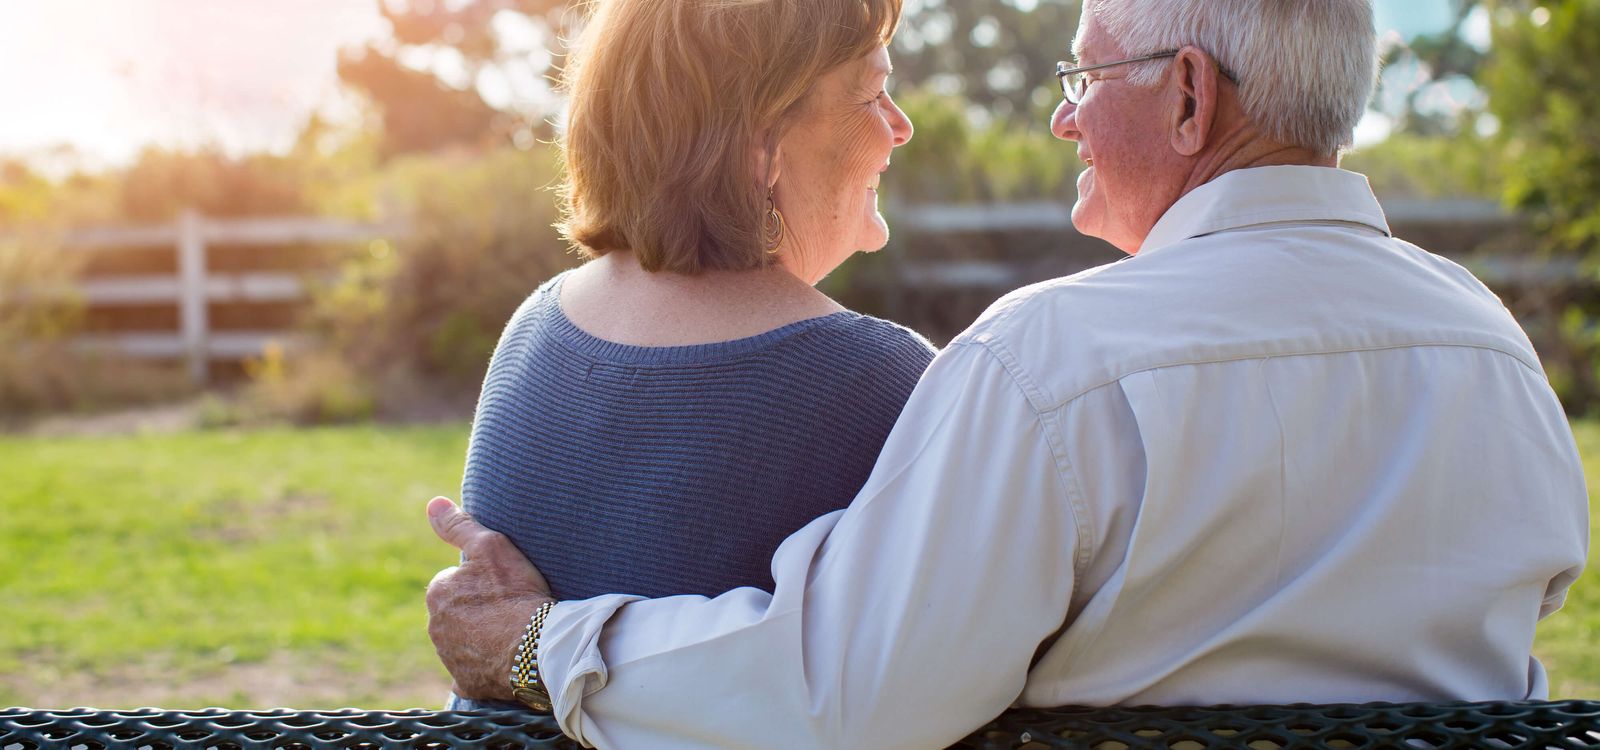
point(906, 620)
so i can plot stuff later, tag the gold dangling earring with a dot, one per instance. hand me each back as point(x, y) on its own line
point(773, 229)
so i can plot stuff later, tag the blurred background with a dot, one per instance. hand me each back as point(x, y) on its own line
point(254, 255)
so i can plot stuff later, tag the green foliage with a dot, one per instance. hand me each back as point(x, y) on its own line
point(422, 314)
point(1444, 63)
point(997, 54)
point(157, 186)
point(29, 199)
point(318, 387)
point(39, 310)
point(162, 183)
point(953, 159)
point(341, 169)
point(1542, 82)
point(24, 194)
point(1572, 359)
point(36, 295)
point(1405, 163)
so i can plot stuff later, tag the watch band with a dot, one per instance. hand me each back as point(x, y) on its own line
point(526, 685)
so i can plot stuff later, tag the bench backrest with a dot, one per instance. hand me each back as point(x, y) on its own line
point(1563, 724)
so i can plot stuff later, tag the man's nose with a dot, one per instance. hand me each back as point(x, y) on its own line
point(1064, 123)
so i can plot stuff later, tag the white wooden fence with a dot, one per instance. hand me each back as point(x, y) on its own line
point(194, 288)
point(1056, 217)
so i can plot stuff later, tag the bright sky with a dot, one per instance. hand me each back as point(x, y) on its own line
point(109, 76)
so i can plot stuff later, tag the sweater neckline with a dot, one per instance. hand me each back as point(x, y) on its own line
point(598, 348)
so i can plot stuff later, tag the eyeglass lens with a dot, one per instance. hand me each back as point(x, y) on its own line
point(1071, 86)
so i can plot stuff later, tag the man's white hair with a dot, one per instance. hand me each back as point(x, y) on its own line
point(1305, 68)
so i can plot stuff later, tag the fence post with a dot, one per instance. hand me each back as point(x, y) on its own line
point(192, 295)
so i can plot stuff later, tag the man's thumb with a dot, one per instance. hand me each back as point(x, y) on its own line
point(451, 523)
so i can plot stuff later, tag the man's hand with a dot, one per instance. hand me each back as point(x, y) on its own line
point(478, 610)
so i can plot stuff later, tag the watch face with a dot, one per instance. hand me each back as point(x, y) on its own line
point(534, 699)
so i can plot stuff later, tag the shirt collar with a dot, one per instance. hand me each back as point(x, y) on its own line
point(1265, 195)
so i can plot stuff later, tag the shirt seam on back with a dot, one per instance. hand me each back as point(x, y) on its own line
point(1076, 503)
point(1283, 475)
point(1309, 353)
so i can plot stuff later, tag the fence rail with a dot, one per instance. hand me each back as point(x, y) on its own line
point(990, 247)
point(195, 287)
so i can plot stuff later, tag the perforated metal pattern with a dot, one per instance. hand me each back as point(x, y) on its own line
point(1566, 725)
point(220, 729)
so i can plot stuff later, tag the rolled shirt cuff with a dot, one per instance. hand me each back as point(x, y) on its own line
point(569, 656)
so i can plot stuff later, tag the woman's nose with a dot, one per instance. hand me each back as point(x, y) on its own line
point(899, 124)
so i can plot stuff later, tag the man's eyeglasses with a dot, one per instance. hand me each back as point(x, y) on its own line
point(1074, 82)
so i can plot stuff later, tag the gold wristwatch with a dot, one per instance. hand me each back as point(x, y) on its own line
point(526, 686)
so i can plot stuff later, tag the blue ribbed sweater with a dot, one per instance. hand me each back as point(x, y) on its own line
point(677, 470)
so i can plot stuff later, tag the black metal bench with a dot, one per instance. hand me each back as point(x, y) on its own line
point(1562, 724)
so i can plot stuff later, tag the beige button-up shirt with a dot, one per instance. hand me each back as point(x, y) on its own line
point(1278, 455)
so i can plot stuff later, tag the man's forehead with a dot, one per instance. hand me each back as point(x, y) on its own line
point(1079, 39)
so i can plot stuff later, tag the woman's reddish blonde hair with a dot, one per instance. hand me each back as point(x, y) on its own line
point(672, 100)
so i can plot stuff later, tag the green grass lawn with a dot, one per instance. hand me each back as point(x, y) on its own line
point(246, 569)
point(1569, 641)
point(286, 567)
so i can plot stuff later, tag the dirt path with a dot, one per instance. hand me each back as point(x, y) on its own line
point(284, 680)
point(158, 419)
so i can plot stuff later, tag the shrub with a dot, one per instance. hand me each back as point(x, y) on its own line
point(409, 324)
point(955, 157)
point(39, 313)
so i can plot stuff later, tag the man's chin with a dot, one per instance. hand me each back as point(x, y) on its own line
point(1088, 224)
point(1084, 220)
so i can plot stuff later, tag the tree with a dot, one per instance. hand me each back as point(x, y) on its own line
point(425, 108)
point(997, 54)
point(419, 113)
point(162, 183)
point(1542, 82)
point(1443, 60)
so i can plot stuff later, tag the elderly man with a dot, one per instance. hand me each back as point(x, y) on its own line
point(1276, 455)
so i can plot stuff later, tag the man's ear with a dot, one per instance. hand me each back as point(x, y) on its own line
point(1193, 108)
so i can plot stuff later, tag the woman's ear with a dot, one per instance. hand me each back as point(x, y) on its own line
point(769, 163)
point(1193, 109)
point(768, 159)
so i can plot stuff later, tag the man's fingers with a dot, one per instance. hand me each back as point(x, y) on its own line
point(483, 549)
point(452, 524)
point(435, 590)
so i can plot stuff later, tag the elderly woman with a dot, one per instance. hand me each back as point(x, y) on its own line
point(658, 420)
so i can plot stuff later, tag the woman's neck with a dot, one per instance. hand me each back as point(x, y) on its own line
point(614, 299)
